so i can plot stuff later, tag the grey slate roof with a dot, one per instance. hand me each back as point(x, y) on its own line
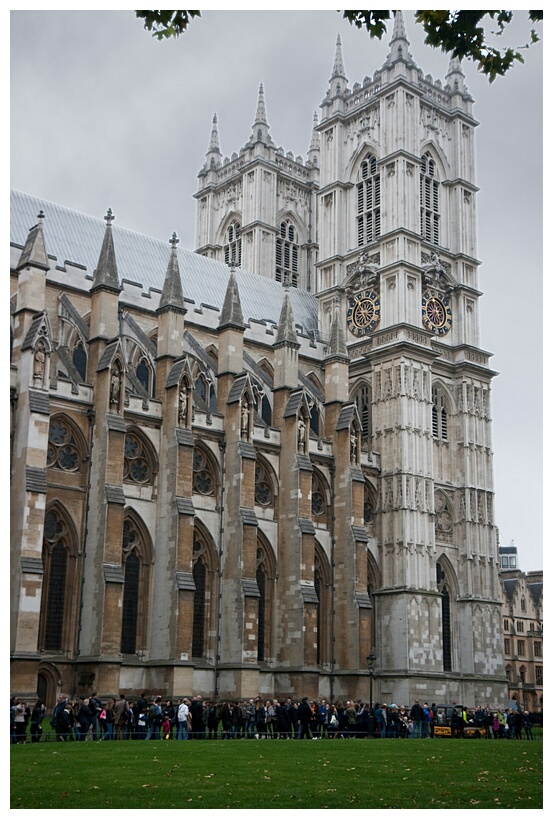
point(510, 585)
point(73, 237)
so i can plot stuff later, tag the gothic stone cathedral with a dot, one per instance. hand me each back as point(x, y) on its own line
point(246, 469)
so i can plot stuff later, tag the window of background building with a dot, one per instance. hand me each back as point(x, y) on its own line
point(537, 649)
point(520, 625)
point(539, 674)
point(520, 648)
point(287, 255)
point(507, 646)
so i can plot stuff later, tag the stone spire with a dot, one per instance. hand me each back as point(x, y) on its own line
point(314, 148)
point(338, 69)
point(34, 253)
point(399, 44)
point(171, 295)
point(213, 154)
point(260, 128)
point(106, 274)
point(231, 314)
point(338, 79)
point(286, 333)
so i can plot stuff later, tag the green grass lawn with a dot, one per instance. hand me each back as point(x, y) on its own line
point(438, 773)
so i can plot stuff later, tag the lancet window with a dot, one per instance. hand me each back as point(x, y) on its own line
point(136, 555)
point(55, 559)
point(444, 589)
point(368, 202)
point(429, 200)
point(439, 414)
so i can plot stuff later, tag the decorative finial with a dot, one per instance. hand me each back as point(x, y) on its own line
point(40, 216)
point(173, 240)
point(109, 217)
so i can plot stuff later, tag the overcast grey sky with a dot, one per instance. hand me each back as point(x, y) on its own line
point(102, 114)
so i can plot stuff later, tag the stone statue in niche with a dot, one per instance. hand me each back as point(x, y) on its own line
point(244, 419)
point(183, 404)
point(353, 446)
point(115, 386)
point(39, 362)
point(301, 434)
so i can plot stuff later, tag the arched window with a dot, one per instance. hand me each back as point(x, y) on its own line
point(136, 556)
point(261, 578)
point(64, 451)
point(198, 629)
point(130, 600)
point(264, 493)
point(204, 573)
point(314, 419)
point(204, 394)
point(138, 466)
point(369, 508)
point(79, 360)
point(143, 374)
point(55, 563)
point(363, 402)
point(439, 414)
point(368, 202)
point(443, 588)
point(266, 410)
point(233, 246)
point(429, 197)
point(203, 480)
point(287, 253)
point(322, 590)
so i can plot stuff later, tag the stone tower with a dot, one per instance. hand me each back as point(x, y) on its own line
point(256, 208)
point(397, 250)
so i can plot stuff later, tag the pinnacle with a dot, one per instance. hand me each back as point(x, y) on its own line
point(260, 114)
point(399, 27)
point(214, 140)
point(171, 295)
point(286, 324)
point(338, 69)
point(106, 272)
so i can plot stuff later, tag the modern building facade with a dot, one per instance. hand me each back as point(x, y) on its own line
point(246, 469)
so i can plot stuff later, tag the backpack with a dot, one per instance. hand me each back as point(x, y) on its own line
point(151, 713)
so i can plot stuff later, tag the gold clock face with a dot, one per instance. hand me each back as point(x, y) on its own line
point(436, 312)
point(363, 314)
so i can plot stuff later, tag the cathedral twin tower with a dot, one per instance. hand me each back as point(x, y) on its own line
point(254, 487)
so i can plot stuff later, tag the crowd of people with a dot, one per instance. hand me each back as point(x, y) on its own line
point(197, 718)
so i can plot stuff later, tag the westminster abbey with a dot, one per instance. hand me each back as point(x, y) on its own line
point(249, 468)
